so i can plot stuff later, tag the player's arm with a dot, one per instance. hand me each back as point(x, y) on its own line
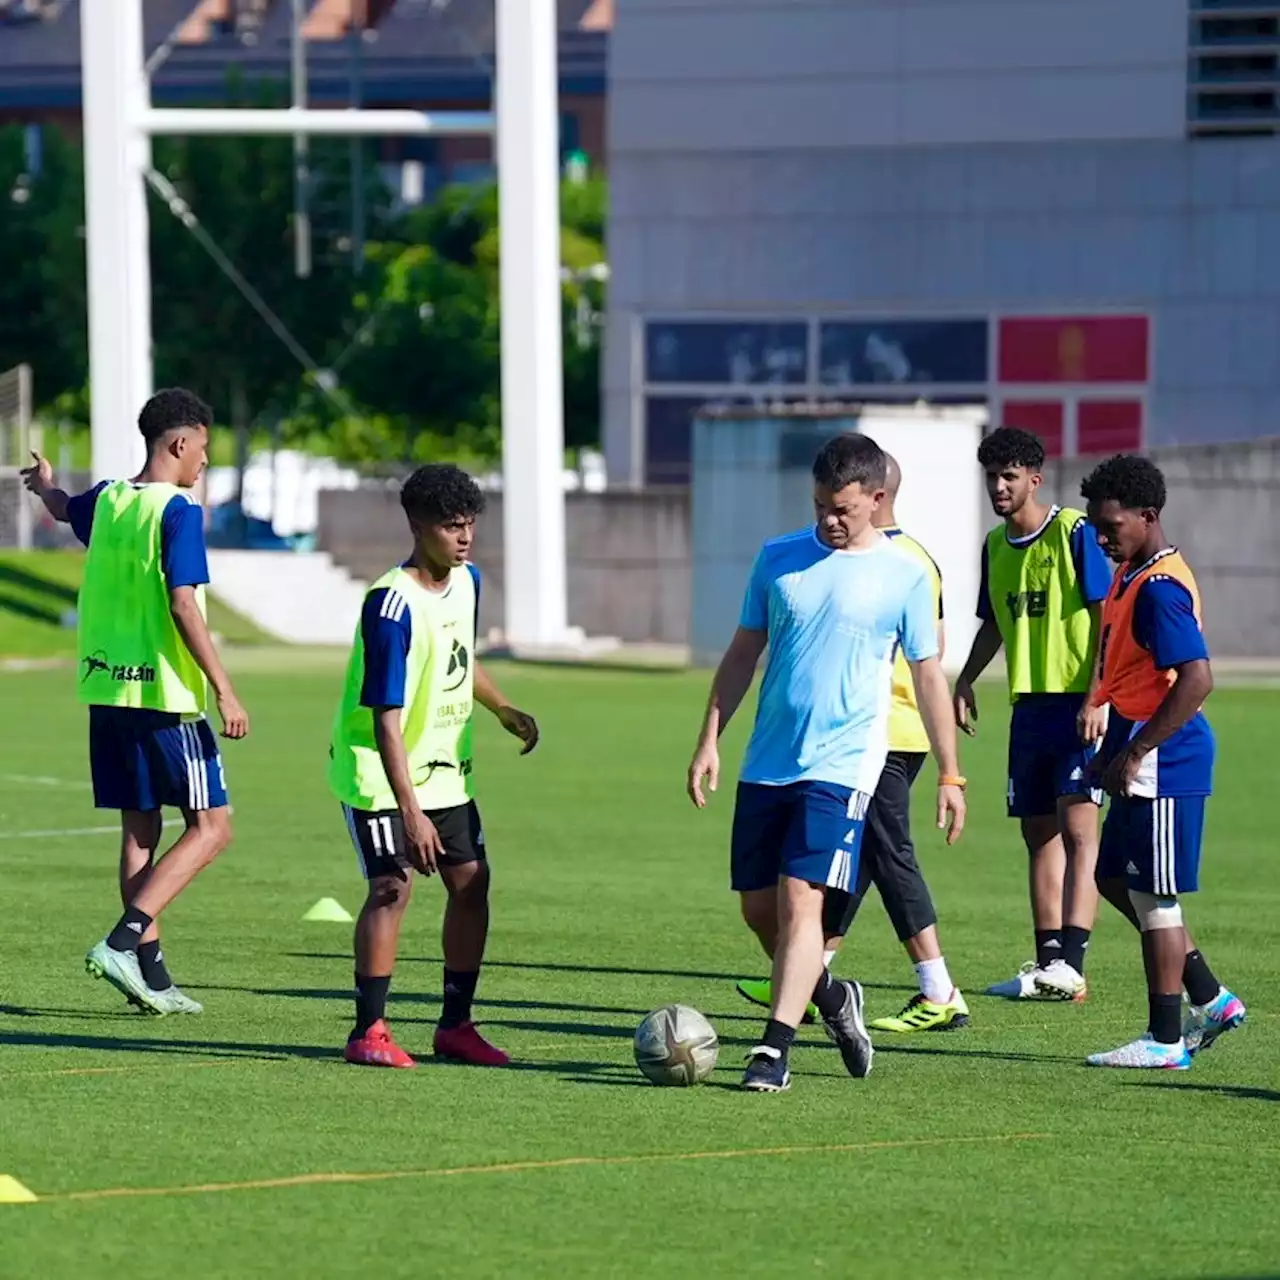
point(38, 479)
point(1164, 623)
point(518, 723)
point(1094, 573)
point(733, 678)
point(185, 565)
point(918, 635)
point(422, 840)
point(986, 644)
point(729, 686)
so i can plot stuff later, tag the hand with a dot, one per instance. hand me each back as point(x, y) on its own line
point(39, 476)
point(705, 765)
point(1119, 775)
point(521, 725)
point(951, 811)
point(965, 704)
point(1091, 723)
point(422, 842)
point(235, 719)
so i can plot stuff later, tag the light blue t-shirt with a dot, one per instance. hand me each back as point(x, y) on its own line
point(834, 620)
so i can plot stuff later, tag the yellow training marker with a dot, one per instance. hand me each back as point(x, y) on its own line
point(330, 911)
point(13, 1192)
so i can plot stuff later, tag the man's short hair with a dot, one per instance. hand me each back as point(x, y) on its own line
point(439, 493)
point(850, 459)
point(171, 410)
point(1011, 447)
point(1133, 482)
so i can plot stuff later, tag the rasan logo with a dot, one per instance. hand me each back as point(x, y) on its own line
point(122, 673)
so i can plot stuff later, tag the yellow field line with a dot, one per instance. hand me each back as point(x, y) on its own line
point(141, 1066)
point(528, 1166)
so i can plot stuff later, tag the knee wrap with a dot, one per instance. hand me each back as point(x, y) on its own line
point(1156, 912)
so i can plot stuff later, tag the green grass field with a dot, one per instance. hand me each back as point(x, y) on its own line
point(39, 588)
point(238, 1143)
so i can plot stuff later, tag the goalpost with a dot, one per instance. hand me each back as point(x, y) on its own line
point(119, 122)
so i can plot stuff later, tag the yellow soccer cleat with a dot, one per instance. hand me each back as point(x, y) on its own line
point(920, 1014)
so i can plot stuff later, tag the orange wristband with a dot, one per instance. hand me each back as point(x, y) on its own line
point(946, 780)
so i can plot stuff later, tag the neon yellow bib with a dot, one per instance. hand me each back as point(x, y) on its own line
point(1048, 631)
point(906, 728)
point(436, 717)
point(131, 654)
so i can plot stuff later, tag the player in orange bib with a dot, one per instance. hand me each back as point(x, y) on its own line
point(1151, 680)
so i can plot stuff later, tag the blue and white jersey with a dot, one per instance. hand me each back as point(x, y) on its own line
point(834, 621)
point(1166, 626)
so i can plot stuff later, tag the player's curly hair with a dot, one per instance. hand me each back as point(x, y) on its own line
point(1011, 447)
point(850, 459)
point(171, 410)
point(439, 493)
point(1134, 482)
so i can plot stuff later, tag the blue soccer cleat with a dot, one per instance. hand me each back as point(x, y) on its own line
point(766, 1071)
point(1145, 1054)
point(1205, 1023)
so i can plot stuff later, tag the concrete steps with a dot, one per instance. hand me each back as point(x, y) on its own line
point(301, 597)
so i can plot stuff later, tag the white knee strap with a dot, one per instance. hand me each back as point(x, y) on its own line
point(1156, 912)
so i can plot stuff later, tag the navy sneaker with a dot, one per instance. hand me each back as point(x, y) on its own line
point(849, 1030)
point(766, 1071)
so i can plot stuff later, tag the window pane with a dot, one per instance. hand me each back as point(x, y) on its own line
point(875, 352)
point(742, 353)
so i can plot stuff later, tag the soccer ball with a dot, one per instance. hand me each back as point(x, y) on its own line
point(676, 1045)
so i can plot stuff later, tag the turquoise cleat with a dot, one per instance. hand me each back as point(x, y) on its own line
point(120, 968)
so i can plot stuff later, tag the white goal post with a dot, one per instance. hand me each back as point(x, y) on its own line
point(119, 122)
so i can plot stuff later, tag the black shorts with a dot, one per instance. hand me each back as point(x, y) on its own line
point(888, 858)
point(379, 838)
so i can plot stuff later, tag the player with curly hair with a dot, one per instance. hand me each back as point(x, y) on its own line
point(1153, 675)
point(400, 763)
point(1043, 581)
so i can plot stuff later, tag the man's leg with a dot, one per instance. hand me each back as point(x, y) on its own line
point(464, 931)
point(379, 843)
point(1063, 979)
point(165, 762)
point(140, 833)
point(820, 850)
point(1160, 841)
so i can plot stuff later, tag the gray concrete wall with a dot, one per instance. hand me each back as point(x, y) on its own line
point(630, 554)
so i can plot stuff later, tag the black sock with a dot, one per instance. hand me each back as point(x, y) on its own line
point(151, 962)
point(1202, 987)
point(128, 932)
point(1075, 942)
point(777, 1035)
point(459, 992)
point(1048, 947)
point(371, 1002)
point(1165, 1023)
point(829, 995)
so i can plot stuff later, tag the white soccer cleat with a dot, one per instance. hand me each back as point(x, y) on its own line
point(1022, 986)
point(1145, 1054)
point(1060, 981)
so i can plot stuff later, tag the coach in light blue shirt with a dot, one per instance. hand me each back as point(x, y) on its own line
point(832, 603)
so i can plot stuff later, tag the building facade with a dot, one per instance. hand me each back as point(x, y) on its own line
point(1066, 209)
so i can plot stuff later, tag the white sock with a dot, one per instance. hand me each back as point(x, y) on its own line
point(827, 958)
point(935, 981)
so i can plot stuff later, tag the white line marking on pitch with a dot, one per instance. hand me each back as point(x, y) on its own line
point(39, 780)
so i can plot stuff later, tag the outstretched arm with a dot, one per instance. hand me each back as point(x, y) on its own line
point(38, 479)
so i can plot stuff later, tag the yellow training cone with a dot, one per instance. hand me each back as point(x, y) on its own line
point(13, 1192)
point(329, 910)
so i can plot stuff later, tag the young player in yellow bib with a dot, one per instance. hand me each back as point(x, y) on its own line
point(1044, 578)
point(400, 763)
point(146, 658)
point(888, 856)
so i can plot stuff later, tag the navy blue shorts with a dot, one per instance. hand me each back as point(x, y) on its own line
point(146, 760)
point(807, 830)
point(1047, 760)
point(1153, 844)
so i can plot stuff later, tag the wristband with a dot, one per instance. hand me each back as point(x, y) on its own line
point(949, 780)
